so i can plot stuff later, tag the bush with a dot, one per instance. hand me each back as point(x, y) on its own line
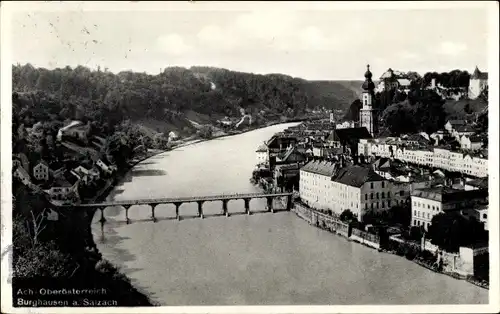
point(44, 260)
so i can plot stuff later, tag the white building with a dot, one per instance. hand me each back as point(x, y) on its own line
point(453, 124)
point(262, 154)
point(345, 125)
point(315, 183)
point(438, 157)
point(428, 202)
point(41, 171)
point(471, 142)
point(478, 82)
point(324, 185)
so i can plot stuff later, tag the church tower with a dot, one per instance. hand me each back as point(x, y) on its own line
point(368, 117)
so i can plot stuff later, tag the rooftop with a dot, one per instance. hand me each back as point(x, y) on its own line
point(356, 176)
point(324, 168)
point(447, 194)
point(262, 148)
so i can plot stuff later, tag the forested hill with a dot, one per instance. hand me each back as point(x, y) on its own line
point(200, 94)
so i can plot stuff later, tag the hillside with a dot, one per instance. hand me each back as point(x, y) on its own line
point(178, 99)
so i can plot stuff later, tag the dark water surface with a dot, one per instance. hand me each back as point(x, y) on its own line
point(268, 259)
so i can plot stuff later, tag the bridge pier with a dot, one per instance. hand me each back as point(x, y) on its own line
point(270, 204)
point(153, 208)
point(102, 220)
point(177, 215)
point(200, 209)
point(247, 206)
point(224, 208)
point(126, 213)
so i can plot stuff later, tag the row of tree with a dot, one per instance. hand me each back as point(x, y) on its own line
point(78, 93)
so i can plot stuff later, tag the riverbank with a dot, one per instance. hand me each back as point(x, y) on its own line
point(334, 226)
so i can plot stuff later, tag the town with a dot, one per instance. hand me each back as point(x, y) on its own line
point(421, 195)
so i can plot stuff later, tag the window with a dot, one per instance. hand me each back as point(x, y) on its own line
point(389, 203)
point(414, 222)
point(383, 184)
point(383, 204)
point(371, 185)
point(377, 205)
point(428, 216)
point(372, 206)
point(371, 195)
point(377, 196)
point(428, 206)
point(485, 216)
point(366, 196)
point(383, 194)
point(401, 193)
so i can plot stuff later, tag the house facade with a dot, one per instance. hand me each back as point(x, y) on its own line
point(262, 154)
point(428, 202)
point(41, 171)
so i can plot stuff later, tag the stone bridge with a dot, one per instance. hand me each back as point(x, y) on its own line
point(178, 201)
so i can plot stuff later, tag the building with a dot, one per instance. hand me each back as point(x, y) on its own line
point(286, 174)
point(24, 161)
point(64, 188)
point(23, 176)
point(347, 139)
point(368, 116)
point(76, 130)
point(291, 156)
point(438, 157)
point(41, 171)
point(85, 175)
point(345, 124)
point(478, 82)
point(107, 169)
point(452, 125)
point(328, 186)
point(428, 202)
point(262, 154)
point(16, 162)
point(462, 130)
point(471, 142)
point(315, 183)
point(476, 184)
point(279, 143)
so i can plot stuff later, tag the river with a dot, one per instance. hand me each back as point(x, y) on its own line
point(262, 259)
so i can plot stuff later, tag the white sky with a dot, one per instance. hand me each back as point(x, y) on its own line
point(317, 41)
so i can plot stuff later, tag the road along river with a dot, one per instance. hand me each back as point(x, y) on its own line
point(262, 259)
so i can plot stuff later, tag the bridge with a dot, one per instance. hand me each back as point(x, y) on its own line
point(178, 201)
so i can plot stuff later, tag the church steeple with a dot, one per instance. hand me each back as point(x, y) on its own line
point(368, 117)
point(368, 85)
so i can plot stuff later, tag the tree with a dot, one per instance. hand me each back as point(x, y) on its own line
point(451, 230)
point(400, 118)
point(347, 215)
point(205, 132)
point(467, 108)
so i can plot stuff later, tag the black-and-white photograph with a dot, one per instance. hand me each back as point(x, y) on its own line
point(181, 154)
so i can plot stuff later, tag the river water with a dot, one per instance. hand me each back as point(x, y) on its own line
point(262, 259)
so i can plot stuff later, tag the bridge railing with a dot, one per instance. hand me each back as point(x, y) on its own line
point(187, 199)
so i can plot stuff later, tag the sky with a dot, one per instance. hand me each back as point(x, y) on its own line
point(312, 42)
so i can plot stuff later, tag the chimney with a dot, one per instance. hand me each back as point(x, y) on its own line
point(433, 83)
